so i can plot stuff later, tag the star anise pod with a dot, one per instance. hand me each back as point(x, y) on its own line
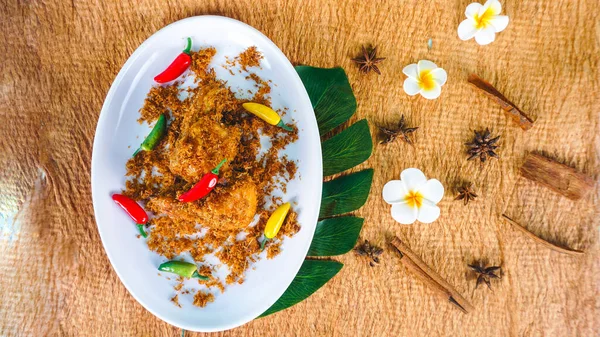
point(482, 146)
point(368, 61)
point(484, 274)
point(370, 251)
point(403, 131)
point(466, 193)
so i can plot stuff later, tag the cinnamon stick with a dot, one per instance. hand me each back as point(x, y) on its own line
point(442, 288)
point(540, 240)
point(509, 107)
point(556, 176)
point(420, 273)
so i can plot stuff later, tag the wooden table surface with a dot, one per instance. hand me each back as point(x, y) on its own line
point(60, 57)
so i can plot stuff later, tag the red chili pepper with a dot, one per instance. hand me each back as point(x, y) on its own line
point(204, 186)
point(178, 66)
point(135, 211)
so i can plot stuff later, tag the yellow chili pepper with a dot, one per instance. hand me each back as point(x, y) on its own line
point(274, 223)
point(266, 114)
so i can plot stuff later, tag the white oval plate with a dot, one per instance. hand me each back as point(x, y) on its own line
point(118, 134)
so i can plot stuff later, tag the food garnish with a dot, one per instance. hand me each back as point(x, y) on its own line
point(182, 268)
point(544, 242)
point(483, 146)
point(158, 131)
point(413, 197)
point(369, 250)
point(466, 193)
point(425, 78)
point(204, 186)
point(521, 118)
point(178, 66)
point(484, 274)
point(403, 131)
point(368, 61)
point(557, 176)
point(429, 277)
point(266, 114)
point(134, 210)
point(482, 22)
point(274, 223)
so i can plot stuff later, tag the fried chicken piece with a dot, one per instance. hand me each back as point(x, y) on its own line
point(235, 206)
point(225, 208)
point(201, 146)
point(178, 211)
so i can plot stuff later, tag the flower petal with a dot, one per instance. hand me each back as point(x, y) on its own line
point(425, 65)
point(411, 71)
point(494, 5)
point(499, 22)
point(467, 29)
point(394, 192)
point(439, 75)
point(428, 213)
point(486, 35)
point(404, 214)
point(473, 9)
point(433, 190)
point(411, 86)
point(413, 179)
point(433, 93)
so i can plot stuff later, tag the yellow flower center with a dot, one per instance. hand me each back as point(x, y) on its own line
point(484, 20)
point(414, 199)
point(426, 81)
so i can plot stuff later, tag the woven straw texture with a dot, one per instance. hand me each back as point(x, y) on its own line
point(60, 57)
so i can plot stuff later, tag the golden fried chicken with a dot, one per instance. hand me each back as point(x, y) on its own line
point(233, 206)
point(201, 146)
point(225, 208)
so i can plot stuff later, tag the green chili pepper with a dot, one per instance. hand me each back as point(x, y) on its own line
point(142, 231)
point(158, 131)
point(181, 268)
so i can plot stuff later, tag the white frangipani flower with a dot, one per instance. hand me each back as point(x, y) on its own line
point(483, 22)
point(413, 197)
point(424, 78)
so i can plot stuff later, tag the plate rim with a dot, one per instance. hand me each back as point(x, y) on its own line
point(101, 121)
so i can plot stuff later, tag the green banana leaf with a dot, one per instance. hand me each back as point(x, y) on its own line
point(312, 275)
point(330, 94)
point(347, 149)
point(335, 236)
point(345, 194)
point(334, 103)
